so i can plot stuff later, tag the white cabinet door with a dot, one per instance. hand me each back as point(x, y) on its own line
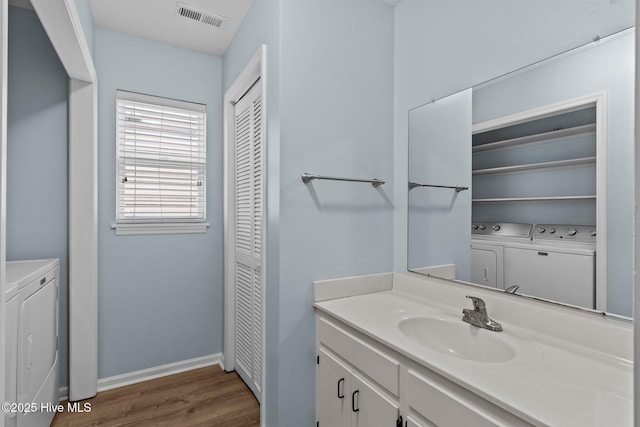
point(333, 394)
point(370, 407)
point(345, 399)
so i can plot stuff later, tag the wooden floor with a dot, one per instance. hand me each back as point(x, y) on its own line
point(202, 397)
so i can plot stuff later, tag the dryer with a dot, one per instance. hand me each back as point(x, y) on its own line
point(31, 359)
point(487, 250)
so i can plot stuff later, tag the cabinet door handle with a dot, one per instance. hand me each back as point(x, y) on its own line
point(341, 393)
point(353, 401)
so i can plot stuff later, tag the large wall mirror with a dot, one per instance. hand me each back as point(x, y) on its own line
point(533, 174)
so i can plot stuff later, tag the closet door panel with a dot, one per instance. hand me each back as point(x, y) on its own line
point(249, 237)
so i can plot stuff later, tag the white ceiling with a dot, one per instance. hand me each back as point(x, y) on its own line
point(158, 20)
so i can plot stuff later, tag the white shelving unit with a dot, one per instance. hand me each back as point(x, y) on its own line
point(539, 166)
point(566, 155)
point(533, 199)
point(541, 137)
point(531, 166)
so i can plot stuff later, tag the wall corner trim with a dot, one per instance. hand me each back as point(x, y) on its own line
point(61, 21)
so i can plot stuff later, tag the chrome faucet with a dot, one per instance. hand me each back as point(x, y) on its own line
point(479, 317)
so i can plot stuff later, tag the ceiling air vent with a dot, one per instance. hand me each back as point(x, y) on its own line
point(216, 21)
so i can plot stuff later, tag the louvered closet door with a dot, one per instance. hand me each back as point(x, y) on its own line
point(249, 201)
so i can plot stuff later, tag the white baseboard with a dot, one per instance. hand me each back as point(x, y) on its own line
point(151, 373)
point(63, 393)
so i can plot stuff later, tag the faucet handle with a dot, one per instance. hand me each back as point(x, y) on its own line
point(478, 303)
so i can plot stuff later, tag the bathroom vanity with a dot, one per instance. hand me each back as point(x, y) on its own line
point(398, 353)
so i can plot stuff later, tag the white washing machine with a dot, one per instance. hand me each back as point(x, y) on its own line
point(31, 359)
point(487, 250)
point(558, 264)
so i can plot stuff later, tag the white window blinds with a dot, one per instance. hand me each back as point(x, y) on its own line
point(161, 156)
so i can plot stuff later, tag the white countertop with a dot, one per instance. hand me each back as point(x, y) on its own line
point(552, 380)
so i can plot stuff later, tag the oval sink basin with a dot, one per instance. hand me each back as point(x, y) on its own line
point(457, 339)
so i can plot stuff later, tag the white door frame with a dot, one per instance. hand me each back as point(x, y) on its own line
point(4, 36)
point(599, 100)
point(254, 70)
point(62, 24)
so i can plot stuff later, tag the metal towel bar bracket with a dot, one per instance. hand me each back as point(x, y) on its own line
point(458, 188)
point(307, 178)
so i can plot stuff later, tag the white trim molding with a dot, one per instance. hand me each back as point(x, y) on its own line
point(636, 231)
point(159, 228)
point(83, 240)
point(245, 80)
point(62, 24)
point(148, 374)
point(4, 37)
point(255, 70)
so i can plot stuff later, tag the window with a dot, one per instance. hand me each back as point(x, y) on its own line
point(161, 160)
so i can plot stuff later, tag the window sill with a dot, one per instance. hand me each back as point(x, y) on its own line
point(174, 228)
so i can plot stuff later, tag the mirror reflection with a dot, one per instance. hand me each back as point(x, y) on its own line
point(547, 154)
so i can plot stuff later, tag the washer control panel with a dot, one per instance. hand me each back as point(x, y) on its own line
point(565, 232)
point(504, 229)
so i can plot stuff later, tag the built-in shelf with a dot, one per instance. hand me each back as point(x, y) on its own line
point(546, 136)
point(554, 164)
point(534, 199)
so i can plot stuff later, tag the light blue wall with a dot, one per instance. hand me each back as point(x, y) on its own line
point(444, 47)
point(330, 112)
point(37, 154)
point(262, 26)
point(86, 19)
point(337, 119)
point(160, 296)
point(440, 156)
point(608, 67)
